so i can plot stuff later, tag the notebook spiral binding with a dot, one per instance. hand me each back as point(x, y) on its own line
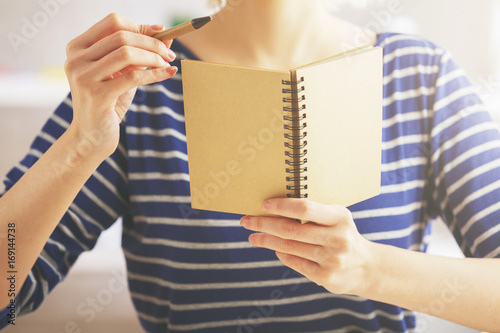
point(294, 116)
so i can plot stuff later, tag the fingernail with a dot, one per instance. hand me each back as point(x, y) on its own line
point(265, 206)
point(244, 221)
point(171, 70)
point(251, 238)
point(157, 27)
point(171, 55)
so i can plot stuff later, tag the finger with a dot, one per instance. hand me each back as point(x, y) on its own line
point(126, 38)
point(299, 249)
point(141, 77)
point(168, 43)
point(124, 71)
point(110, 24)
point(122, 58)
point(305, 267)
point(307, 210)
point(287, 229)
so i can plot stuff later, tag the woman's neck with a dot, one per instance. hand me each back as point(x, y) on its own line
point(268, 26)
point(274, 34)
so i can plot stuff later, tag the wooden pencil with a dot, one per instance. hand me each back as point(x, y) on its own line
point(183, 29)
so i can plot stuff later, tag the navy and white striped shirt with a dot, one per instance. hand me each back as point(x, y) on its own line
point(195, 271)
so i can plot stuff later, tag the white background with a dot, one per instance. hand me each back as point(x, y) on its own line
point(32, 84)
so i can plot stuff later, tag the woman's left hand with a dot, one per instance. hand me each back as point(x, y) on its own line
point(328, 250)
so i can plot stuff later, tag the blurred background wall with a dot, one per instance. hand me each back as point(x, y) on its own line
point(32, 84)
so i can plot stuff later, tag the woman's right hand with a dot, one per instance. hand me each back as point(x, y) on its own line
point(104, 66)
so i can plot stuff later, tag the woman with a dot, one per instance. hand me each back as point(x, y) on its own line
point(348, 270)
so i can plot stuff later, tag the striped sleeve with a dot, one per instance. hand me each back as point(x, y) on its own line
point(100, 202)
point(465, 163)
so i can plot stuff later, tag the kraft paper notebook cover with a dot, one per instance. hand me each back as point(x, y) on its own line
point(254, 134)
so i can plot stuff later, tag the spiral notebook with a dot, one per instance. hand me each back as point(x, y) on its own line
point(312, 132)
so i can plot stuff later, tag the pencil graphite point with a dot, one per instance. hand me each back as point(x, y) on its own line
point(200, 22)
point(183, 28)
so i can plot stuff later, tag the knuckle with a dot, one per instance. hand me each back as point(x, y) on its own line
point(68, 66)
point(303, 207)
point(136, 77)
point(290, 231)
point(338, 243)
point(72, 63)
point(322, 254)
point(70, 47)
point(287, 245)
point(114, 19)
point(345, 213)
point(121, 111)
point(121, 38)
point(319, 253)
point(342, 245)
point(330, 239)
point(157, 74)
point(125, 52)
point(257, 223)
point(143, 29)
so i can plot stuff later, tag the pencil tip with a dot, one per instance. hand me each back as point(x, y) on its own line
point(200, 22)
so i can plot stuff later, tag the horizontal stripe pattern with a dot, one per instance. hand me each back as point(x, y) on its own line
point(195, 271)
